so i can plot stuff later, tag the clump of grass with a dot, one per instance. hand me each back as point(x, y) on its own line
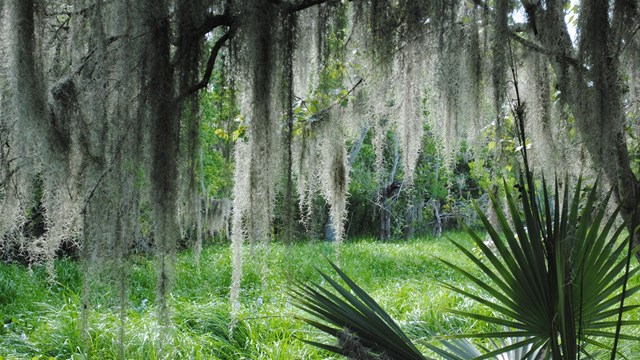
point(399, 275)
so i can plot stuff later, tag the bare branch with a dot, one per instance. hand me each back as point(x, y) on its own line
point(87, 199)
point(81, 11)
point(339, 100)
point(210, 63)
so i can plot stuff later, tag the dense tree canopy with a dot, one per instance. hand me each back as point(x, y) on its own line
point(99, 110)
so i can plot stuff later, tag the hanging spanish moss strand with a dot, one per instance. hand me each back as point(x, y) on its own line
point(334, 177)
point(549, 153)
point(605, 121)
point(259, 58)
point(289, 32)
point(94, 220)
point(189, 16)
point(23, 77)
point(26, 77)
point(633, 69)
point(410, 122)
point(447, 104)
point(500, 52)
point(263, 127)
point(163, 115)
point(306, 44)
point(7, 215)
point(130, 160)
point(238, 230)
point(499, 70)
point(305, 163)
point(306, 168)
point(472, 95)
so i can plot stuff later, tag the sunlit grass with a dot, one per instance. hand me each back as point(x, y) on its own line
point(43, 318)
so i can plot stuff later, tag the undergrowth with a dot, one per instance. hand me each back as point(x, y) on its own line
point(41, 317)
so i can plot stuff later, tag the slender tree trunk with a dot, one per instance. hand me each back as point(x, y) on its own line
point(410, 219)
point(435, 205)
point(387, 193)
point(385, 220)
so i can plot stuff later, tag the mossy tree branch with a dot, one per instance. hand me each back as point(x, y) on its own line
point(304, 4)
point(545, 51)
point(213, 22)
point(210, 65)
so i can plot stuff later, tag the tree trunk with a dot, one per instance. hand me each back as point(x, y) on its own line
point(329, 230)
point(389, 190)
point(411, 221)
point(435, 205)
point(591, 87)
point(385, 220)
point(387, 195)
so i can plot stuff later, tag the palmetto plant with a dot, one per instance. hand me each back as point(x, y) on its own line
point(557, 276)
point(463, 349)
point(555, 285)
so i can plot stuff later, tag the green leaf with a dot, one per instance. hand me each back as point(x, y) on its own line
point(352, 311)
point(556, 270)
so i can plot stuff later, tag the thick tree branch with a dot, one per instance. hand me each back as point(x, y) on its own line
point(539, 49)
point(304, 4)
point(294, 7)
point(277, 2)
point(214, 21)
point(210, 64)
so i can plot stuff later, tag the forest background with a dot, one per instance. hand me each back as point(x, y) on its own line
point(145, 129)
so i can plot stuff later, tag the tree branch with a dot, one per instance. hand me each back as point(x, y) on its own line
point(304, 4)
point(539, 49)
point(213, 21)
point(81, 11)
point(210, 63)
point(226, 19)
point(339, 100)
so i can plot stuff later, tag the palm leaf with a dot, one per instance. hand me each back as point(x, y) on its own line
point(556, 274)
point(352, 316)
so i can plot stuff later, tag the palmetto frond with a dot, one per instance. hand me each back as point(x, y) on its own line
point(364, 329)
point(557, 272)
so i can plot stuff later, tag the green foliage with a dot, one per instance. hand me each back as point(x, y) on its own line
point(218, 174)
point(498, 159)
point(452, 190)
point(330, 89)
point(220, 128)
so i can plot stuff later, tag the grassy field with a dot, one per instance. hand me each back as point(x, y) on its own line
point(41, 318)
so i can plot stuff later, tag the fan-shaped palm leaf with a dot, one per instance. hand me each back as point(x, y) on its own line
point(364, 329)
point(557, 272)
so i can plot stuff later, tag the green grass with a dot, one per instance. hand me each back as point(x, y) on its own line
point(42, 318)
